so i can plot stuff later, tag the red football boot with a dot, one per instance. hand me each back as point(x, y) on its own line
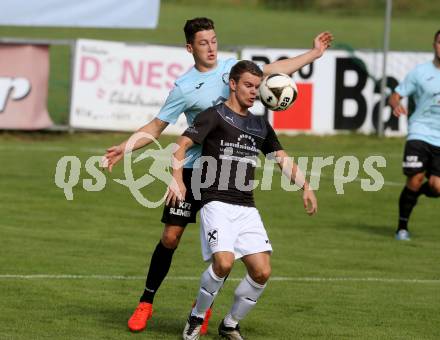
point(204, 329)
point(141, 315)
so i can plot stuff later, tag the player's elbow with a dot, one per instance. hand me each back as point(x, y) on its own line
point(184, 143)
point(272, 68)
point(155, 127)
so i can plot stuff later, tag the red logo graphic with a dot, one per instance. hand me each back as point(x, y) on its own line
point(299, 115)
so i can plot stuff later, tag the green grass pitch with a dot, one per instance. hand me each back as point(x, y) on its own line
point(337, 275)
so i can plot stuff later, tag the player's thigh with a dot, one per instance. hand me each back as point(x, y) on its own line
point(434, 169)
point(252, 238)
point(258, 266)
point(184, 212)
point(416, 157)
point(416, 160)
point(218, 229)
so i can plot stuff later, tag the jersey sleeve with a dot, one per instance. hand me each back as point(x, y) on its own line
point(271, 142)
point(408, 86)
point(203, 124)
point(174, 105)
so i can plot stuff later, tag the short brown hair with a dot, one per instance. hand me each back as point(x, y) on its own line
point(436, 35)
point(244, 66)
point(195, 25)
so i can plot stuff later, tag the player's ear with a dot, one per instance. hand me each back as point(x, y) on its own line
point(232, 84)
point(189, 48)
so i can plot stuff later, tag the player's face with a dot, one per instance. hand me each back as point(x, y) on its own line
point(436, 46)
point(246, 90)
point(204, 49)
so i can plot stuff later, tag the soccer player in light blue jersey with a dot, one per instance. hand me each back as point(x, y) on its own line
point(422, 149)
point(203, 86)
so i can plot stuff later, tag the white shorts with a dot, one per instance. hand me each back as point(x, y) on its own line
point(233, 228)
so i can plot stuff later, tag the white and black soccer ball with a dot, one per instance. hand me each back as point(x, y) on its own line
point(278, 91)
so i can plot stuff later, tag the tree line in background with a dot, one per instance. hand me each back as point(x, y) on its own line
point(421, 8)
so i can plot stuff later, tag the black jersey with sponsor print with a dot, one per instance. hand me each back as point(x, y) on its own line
point(230, 147)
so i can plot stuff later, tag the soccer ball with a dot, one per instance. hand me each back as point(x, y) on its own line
point(278, 91)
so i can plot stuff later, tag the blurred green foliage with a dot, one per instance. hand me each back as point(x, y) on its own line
point(419, 8)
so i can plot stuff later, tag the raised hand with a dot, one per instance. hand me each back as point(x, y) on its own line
point(322, 42)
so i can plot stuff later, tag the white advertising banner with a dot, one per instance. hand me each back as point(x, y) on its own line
point(340, 91)
point(81, 13)
point(121, 87)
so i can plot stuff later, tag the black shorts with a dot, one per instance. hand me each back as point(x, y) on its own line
point(420, 156)
point(185, 212)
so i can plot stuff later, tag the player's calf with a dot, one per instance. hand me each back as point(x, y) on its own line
point(245, 299)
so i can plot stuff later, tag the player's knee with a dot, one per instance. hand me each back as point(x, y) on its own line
point(415, 182)
point(222, 267)
point(170, 240)
point(262, 275)
point(435, 188)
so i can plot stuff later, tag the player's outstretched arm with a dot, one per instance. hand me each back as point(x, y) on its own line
point(149, 131)
point(177, 189)
point(398, 108)
point(320, 44)
point(290, 169)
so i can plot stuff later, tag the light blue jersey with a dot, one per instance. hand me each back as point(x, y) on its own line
point(193, 93)
point(424, 83)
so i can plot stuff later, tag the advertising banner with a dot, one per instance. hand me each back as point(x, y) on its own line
point(81, 13)
point(122, 87)
point(24, 74)
point(340, 91)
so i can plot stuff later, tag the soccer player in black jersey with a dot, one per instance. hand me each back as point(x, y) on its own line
point(231, 227)
point(190, 96)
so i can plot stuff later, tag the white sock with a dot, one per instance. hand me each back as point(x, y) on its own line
point(229, 321)
point(246, 296)
point(210, 284)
